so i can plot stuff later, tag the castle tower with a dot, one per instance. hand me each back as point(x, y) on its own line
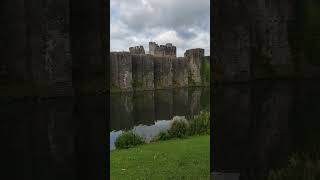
point(152, 47)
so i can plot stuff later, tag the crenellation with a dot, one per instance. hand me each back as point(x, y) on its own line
point(160, 71)
point(163, 50)
point(137, 50)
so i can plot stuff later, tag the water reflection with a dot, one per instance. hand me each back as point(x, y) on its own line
point(257, 127)
point(146, 107)
point(149, 112)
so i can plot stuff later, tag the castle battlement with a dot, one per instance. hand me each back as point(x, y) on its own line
point(137, 50)
point(163, 50)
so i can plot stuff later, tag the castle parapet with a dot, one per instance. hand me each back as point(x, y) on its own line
point(137, 50)
point(162, 50)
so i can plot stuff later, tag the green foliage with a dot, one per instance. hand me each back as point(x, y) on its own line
point(163, 136)
point(303, 166)
point(200, 124)
point(205, 70)
point(179, 129)
point(128, 140)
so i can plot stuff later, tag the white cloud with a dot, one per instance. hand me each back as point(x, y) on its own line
point(185, 23)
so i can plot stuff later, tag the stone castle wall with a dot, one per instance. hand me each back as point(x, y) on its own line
point(194, 57)
point(121, 71)
point(137, 50)
point(162, 50)
point(265, 39)
point(131, 71)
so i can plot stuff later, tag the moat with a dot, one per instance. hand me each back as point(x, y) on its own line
point(256, 127)
point(149, 112)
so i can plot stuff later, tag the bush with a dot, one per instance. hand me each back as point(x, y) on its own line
point(128, 140)
point(179, 129)
point(162, 136)
point(200, 124)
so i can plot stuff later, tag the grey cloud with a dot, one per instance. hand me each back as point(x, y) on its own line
point(142, 20)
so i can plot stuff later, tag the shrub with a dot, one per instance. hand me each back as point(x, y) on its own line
point(128, 140)
point(179, 129)
point(163, 135)
point(200, 124)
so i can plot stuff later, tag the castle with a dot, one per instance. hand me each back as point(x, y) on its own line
point(160, 69)
point(156, 50)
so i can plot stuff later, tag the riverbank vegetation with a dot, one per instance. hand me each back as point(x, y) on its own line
point(187, 158)
point(180, 128)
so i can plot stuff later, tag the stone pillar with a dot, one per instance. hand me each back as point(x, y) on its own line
point(194, 57)
point(143, 72)
point(121, 71)
point(56, 48)
point(37, 52)
point(180, 72)
point(162, 72)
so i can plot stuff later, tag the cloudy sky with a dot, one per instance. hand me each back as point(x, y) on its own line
point(185, 23)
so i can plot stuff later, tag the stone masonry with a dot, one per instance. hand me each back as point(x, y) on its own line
point(121, 71)
point(265, 39)
point(143, 72)
point(180, 72)
point(194, 57)
point(137, 71)
point(137, 50)
point(162, 50)
point(162, 72)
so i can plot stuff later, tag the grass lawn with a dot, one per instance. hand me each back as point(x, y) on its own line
point(173, 159)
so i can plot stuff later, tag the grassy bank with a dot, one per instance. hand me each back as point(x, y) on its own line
point(173, 159)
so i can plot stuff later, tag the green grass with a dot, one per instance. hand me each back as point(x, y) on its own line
point(173, 159)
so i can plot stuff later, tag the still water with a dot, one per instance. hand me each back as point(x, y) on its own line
point(148, 113)
point(256, 128)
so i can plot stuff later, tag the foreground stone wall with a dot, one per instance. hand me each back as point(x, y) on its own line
point(36, 42)
point(265, 39)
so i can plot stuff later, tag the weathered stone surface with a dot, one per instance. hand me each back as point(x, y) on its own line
point(121, 74)
point(37, 59)
point(88, 29)
point(263, 40)
point(55, 45)
point(162, 72)
point(180, 72)
point(162, 50)
point(143, 72)
point(194, 58)
point(137, 50)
